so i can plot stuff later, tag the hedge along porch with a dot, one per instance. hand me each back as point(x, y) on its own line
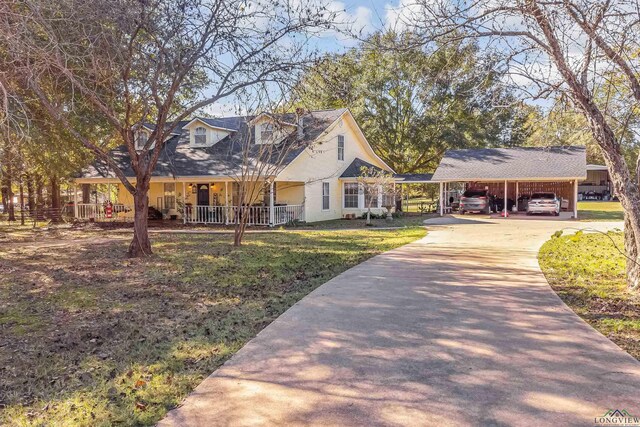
point(513, 172)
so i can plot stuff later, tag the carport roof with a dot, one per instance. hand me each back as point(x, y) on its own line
point(522, 163)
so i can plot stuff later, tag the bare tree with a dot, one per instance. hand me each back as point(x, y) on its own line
point(377, 183)
point(150, 62)
point(584, 50)
point(263, 157)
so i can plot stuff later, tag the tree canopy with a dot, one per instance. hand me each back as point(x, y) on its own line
point(415, 102)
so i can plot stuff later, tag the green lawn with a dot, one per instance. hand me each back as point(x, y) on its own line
point(406, 220)
point(600, 211)
point(89, 337)
point(588, 273)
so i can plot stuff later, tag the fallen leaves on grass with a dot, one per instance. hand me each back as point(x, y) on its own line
point(89, 337)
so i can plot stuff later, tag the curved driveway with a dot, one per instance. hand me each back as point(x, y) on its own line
point(459, 328)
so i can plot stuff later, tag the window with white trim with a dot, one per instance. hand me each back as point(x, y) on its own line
point(370, 197)
point(340, 147)
point(266, 132)
point(351, 194)
point(141, 139)
point(200, 137)
point(325, 196)
point(169, 195)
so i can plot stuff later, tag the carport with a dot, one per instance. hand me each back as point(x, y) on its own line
point(513, 173)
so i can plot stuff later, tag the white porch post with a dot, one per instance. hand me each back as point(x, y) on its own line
point(272, 215)
point(75, 200)
point(184, 202)
point(517, 191)
point(575, 199)
point(379, 196)
point(441, 200)
point(505, 198)
point(226, 202)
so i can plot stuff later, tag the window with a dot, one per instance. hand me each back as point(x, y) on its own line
point(200, 136)
point(351, 195)
point(325, 196)
point(370, 197)
point(141, 139)
point(170, 195)
point(266, 132)
point(388, 200)
point(340, 147)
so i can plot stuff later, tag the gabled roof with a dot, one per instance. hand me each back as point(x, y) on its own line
point(354, 170)
point(151, 127)
point(232, 124)
point(522, 163)
point(224, 158)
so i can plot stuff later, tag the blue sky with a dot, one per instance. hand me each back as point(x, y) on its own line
point(365, 15)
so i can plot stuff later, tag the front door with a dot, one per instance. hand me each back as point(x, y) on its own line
point(203, 200)
point(203, 194)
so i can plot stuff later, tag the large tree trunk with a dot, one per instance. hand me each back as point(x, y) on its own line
point(5, 197)
point(625, 187)
point(140, 245)
point(21, 203)
point(39, 216)
point(56, 210)
point(12, 211)
point(631, 250)
point(31, 201)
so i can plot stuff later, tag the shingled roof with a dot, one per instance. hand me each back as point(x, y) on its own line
point(522, 163)
point(356, 167)
point(224, 158)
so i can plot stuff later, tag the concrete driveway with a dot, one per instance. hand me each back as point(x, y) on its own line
point(459, 328)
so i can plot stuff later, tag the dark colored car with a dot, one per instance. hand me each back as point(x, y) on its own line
point(475, 200)
point(498, 204)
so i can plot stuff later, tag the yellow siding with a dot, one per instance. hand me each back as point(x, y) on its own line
point(291, 193)
point(320, 163)
point(213, 135)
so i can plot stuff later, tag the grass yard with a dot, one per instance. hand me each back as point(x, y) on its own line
point(89, 337)
point(600, 211)
point(587, 272)
point(406, 220)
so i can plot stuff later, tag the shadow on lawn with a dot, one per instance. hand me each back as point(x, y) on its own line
point(95, 337)
point(474, 351)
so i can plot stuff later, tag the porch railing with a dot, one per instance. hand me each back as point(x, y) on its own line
point(98, 212)
point(288, 213)
point(257, 215)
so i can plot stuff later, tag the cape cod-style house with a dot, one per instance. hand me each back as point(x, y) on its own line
point(197, 177)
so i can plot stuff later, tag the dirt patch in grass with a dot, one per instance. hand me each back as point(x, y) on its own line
point(588, 273)
point(89, 337)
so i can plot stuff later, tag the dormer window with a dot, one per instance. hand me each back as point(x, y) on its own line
point(141, 139)
point(266, 132)
point(200, 137)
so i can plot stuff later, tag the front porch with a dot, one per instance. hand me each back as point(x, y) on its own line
point(199, 202)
